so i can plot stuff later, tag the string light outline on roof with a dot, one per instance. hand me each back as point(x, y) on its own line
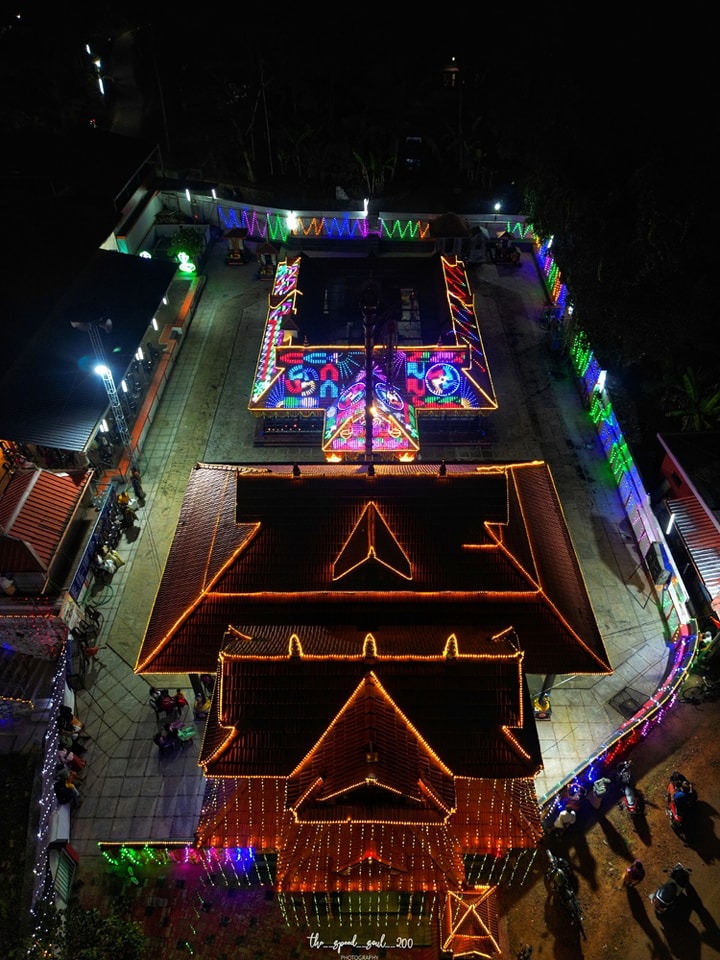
point(370, 677)
point(371, 514)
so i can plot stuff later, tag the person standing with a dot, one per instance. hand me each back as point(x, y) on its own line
point(136, 481)
point(634, 874)
point(566, 818)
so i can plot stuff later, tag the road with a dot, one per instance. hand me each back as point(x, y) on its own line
point(621, 922)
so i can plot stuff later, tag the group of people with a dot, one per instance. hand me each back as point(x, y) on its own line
point(128, 510)
point(129, 505)
point(577, 793)
point(70, 763)
point(168, 737)
point(680, 792)
point(166, 705)
point(172, 710)
point(173, 735)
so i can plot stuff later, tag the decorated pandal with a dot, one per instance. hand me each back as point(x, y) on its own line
point(409, 380)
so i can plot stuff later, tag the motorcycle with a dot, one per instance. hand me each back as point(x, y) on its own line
point(681, 798)
point(629, 799)
point(559, 878)
point(666, 897)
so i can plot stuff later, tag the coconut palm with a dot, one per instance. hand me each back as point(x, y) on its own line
point(698, 404)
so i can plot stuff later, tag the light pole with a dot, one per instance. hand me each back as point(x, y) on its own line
point(118, 412)
point(103, 370)
point(369, 303)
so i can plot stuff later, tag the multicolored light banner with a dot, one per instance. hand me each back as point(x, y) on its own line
point(277, 226)
point(406, 381)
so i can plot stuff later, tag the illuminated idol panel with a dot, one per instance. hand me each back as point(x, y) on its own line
point(423, 337)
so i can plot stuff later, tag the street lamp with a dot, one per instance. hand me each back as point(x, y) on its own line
point(118, 413)
point(103, 370)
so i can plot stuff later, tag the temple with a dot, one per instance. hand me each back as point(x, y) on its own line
point(371, 738)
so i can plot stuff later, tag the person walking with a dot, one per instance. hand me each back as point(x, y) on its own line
point(136, 481)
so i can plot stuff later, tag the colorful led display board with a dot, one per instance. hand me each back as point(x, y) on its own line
point(407, 381)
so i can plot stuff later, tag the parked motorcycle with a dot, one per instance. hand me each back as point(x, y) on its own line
point(560, 880)
point(681, 798)
point(629, 797)
point(666, 897)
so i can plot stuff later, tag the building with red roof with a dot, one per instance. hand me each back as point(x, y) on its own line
point(371, 731)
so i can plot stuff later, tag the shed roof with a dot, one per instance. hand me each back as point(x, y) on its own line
point(36, 507)
point(49, 392)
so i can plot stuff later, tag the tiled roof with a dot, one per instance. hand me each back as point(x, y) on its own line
point(35, 510)
point(371, 721)
point(488, 551)
point(426, 719)
point(246, 813)
point(370, 758)
point(492, 816)
point(359, 856)
point(470, 924)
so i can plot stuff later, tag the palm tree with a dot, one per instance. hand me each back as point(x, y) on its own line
point(373, 169)
point(698, 405)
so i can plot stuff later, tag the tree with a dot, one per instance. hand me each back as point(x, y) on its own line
point(372, 170)
point(698, 403)
point(187, 240)
point(80, 934)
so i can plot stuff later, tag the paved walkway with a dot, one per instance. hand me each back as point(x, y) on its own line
point(132, 795)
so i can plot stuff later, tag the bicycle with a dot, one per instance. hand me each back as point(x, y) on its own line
point(699, 689)
point(90, 626)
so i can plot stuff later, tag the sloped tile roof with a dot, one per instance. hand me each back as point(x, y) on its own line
point(392, 700)
point(245, 813)
point(492, 817)
point(367, 759)
point(488, 548)
point(359, 856)
point(35, 510)
point(470, 924)
point(463, 715)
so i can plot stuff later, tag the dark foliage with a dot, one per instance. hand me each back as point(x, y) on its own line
point(604, 145)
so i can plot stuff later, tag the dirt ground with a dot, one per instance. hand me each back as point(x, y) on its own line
point(621, 922)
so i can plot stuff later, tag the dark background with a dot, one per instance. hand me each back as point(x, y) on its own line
point(601, 132)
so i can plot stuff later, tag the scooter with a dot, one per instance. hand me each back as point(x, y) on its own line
point(681, 798)
point(629, 799)
point(666, 897)
point(559, 878)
